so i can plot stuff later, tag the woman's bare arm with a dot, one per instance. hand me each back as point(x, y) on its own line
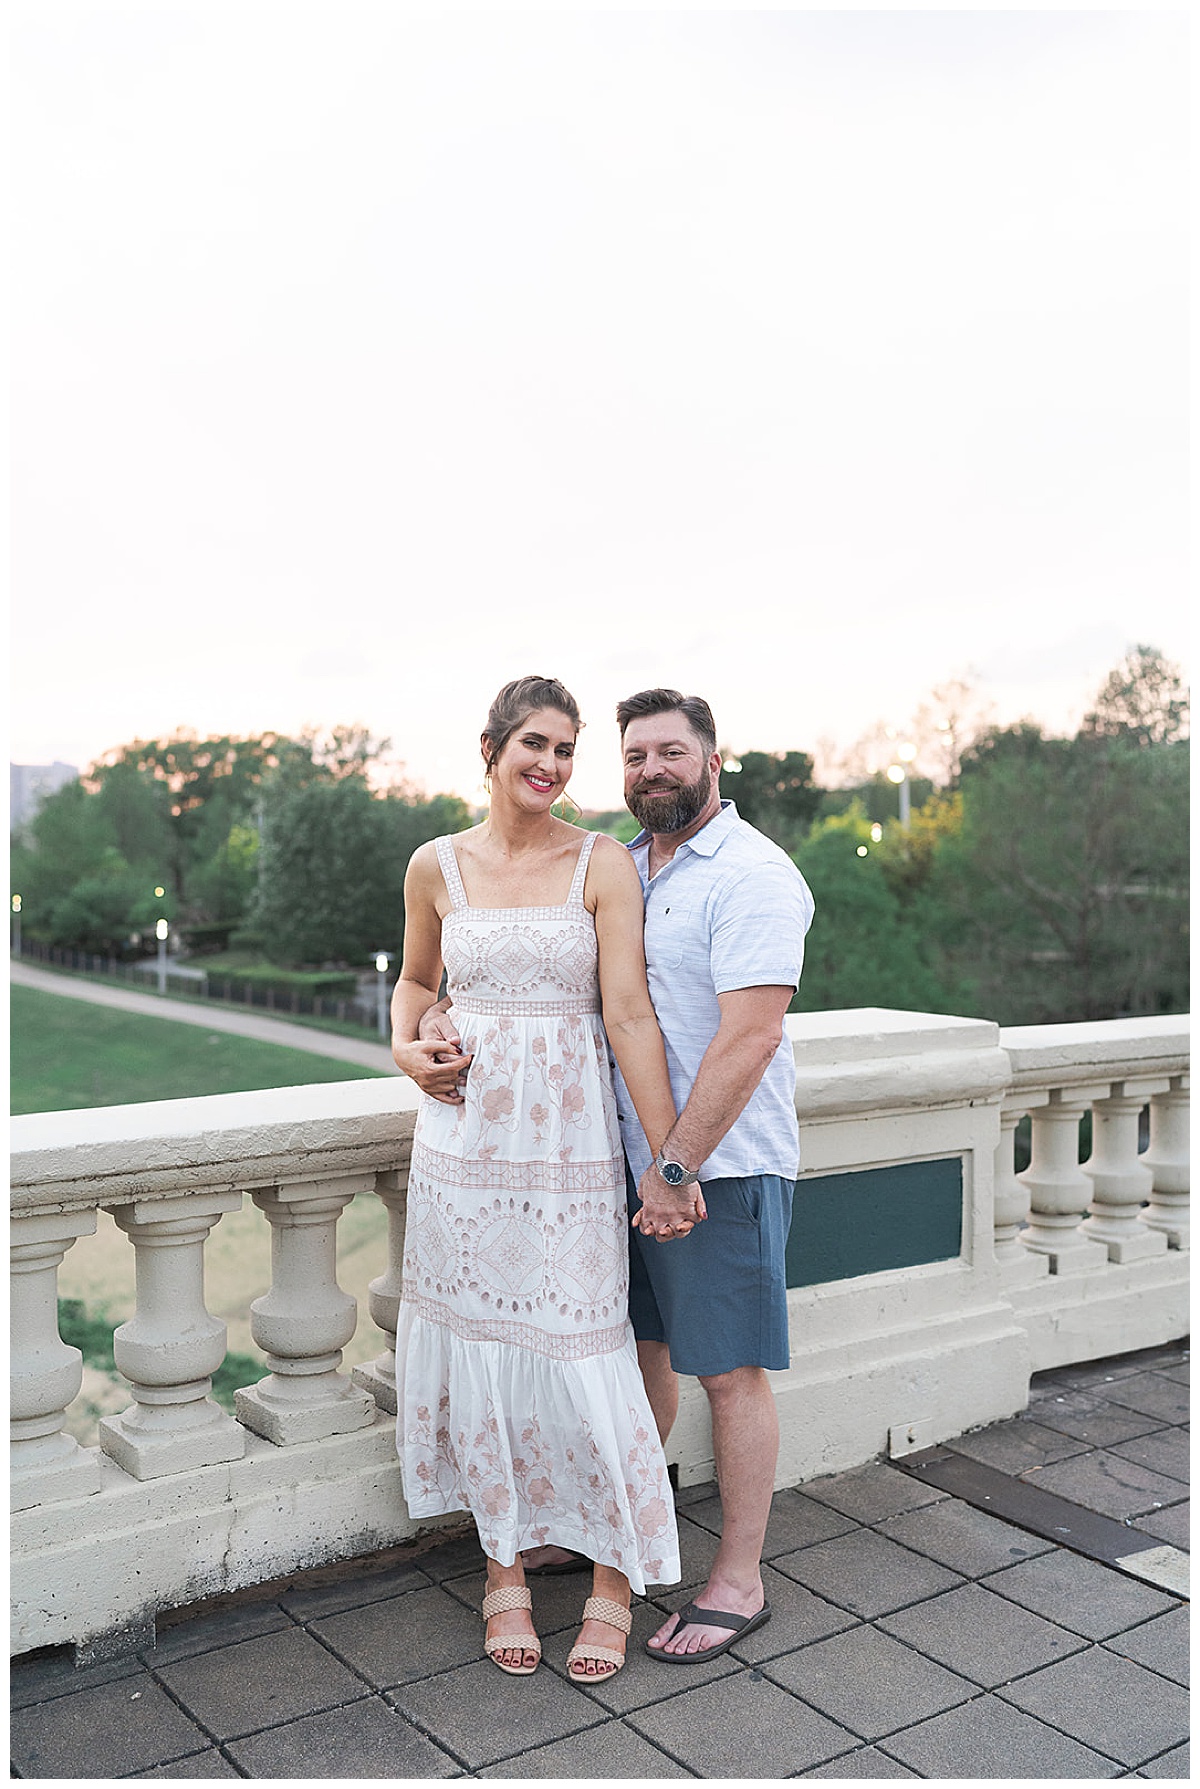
point(420, 977)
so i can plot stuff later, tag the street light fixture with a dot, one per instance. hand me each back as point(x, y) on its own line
point(382, 959)
point(161, 931)
point(16, 925)
point(898, 774)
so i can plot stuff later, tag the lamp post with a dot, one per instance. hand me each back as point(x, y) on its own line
point(16, 926)
point(382, 959)
point(898, 773)
point(161, 930)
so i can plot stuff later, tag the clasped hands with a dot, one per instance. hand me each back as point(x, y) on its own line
point(667, 1212)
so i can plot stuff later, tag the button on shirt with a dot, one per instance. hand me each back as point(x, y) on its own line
point(729, 911)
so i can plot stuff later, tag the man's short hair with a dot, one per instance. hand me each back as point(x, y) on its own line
point(694, 709)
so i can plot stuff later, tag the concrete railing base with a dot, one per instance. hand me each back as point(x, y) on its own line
point(81, 1569)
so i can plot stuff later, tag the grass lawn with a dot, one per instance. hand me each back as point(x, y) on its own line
point(68, 1053)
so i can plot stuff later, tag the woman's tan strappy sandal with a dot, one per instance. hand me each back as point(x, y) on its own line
point(600, 1608)
point(499, 1602)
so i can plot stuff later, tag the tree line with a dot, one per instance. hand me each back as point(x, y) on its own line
point(1039, 879)
point(278, 846)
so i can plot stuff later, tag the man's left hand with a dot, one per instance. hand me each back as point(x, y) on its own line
point(667, 1212)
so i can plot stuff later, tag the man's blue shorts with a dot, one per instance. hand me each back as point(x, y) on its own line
point(718, 1296)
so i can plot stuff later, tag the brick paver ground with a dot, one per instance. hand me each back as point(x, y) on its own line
point(913, 1635)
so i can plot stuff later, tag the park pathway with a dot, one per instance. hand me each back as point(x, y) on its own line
point(214, 1018)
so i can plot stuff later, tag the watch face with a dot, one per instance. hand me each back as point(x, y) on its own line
point(672, 1173)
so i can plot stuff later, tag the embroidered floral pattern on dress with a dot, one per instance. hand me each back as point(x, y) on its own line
point(520, 1481)
point(519, 1393)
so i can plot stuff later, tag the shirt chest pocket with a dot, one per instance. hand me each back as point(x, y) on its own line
point(669, 930)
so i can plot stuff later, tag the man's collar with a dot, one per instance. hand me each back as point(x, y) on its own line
point(710, 837)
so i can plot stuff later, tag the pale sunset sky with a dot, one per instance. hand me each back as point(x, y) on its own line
point(364, 358)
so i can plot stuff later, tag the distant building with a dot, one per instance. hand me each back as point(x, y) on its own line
point(29, 785)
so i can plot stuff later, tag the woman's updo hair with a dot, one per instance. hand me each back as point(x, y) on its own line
point(515, 703)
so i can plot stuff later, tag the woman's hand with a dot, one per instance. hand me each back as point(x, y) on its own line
point(435, 1070)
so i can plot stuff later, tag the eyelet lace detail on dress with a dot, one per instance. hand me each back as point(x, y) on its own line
point(520, 1397)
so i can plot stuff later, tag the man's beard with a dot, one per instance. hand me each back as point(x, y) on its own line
point(674, 812)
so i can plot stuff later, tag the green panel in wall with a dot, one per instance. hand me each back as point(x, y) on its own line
point(873, 1220)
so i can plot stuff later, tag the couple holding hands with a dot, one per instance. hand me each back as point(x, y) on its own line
point(602, 1173)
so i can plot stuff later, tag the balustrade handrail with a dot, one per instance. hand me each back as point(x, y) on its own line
point(1068, 1055)
point(68, 1161)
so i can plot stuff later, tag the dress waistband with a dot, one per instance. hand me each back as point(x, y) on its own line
point(526, 1009)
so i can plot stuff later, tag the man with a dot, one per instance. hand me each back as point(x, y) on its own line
point(726, 915)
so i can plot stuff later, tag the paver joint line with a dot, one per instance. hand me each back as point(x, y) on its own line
point(195, 1718)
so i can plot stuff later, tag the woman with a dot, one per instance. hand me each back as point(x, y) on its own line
point(519, 1395)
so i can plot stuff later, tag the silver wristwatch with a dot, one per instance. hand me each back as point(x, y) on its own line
point(672, 1172)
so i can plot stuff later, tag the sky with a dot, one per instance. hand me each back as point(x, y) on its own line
point(365, 358)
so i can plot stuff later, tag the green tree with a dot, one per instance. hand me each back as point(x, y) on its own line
point(863, 948)
point(67, 837)
point(908, 854)
point(1064, 895)
point(207, 785)
point(179, 813)
point(1143, 701)
point(775, 792)
point(331, 868)
point(99, 911)
point(139, 812)
point(77, 886)
point(222, 885)
point(323, 874)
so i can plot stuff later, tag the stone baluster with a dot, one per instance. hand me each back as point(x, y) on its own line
point(1168, 1160)
point(47, 1465)
point(171, 1347)
point(1121, 1182)
point(1017, 1264)
point(303, 1323)
point(379, 1376)
point(1059, 1190)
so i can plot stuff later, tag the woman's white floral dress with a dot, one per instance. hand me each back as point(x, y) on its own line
point(520, 1397)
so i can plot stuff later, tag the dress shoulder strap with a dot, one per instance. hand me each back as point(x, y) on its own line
point(581, 864)
point(451, 874)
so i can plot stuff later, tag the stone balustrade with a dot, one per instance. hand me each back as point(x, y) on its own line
point(1118, 1209)
point(906, 1328)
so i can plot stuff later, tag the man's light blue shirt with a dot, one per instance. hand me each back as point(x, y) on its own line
point(729, 911)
